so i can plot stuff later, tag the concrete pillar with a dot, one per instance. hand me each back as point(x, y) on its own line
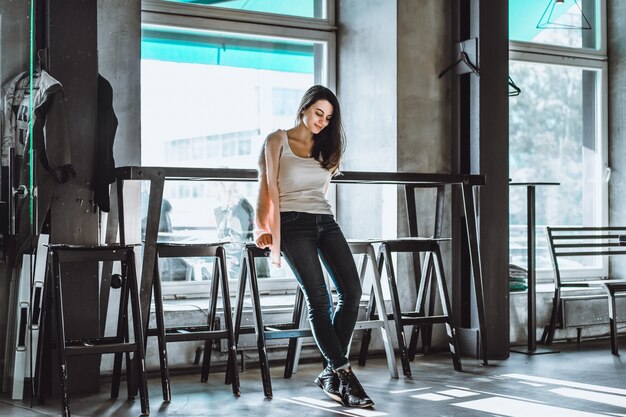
point(73, 60)
point(423, 106)
point(616, 38)
point(489, 155)
point(397, 112)
point(367, 90)
point(119, 61)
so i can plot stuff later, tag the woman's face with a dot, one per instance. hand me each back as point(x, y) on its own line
point(317, 116)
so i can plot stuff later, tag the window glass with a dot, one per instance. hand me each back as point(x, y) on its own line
point(570, 23)
point(299, 8)
point(552, 138)
point(208, 100)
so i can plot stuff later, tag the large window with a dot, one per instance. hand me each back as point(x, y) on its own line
point(212, 90)
point(558, 124)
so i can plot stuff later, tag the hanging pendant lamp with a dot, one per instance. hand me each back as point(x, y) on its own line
point(563, 14)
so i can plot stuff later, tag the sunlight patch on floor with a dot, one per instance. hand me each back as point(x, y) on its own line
point(516, 408)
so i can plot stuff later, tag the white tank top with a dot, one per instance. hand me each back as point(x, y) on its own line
point(301, 183)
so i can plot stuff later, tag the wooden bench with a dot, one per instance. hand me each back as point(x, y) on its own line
point(584, 242)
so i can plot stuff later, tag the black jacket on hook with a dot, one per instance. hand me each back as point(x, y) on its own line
point(104, 167)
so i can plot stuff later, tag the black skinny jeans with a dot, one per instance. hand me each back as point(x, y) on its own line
point(305, 239)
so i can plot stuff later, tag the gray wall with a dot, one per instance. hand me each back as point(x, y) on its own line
point(423, 106)
point(617, 122)
point(119, 45)
point(366, 87)
point(397, 110)
point(14, 38)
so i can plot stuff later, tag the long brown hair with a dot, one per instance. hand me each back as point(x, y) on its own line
point(329, 144)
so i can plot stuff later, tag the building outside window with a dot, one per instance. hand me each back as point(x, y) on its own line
point(558, 124)
point(216, 78)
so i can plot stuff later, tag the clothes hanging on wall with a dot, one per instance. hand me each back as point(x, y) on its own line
point(51, 144)
point(104, 167)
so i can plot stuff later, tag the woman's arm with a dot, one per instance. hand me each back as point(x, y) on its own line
point(263, 200)
point(268, 206)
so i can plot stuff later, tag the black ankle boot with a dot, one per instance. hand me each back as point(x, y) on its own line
point(352, 393)
point(329, 382)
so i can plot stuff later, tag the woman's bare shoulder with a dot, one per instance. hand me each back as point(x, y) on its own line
point(275, 139)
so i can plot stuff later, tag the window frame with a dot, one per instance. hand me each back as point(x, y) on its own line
point(592, 60)
point(241, 17)
point(200, 17)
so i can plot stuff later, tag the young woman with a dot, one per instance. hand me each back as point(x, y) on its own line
point(294, 217)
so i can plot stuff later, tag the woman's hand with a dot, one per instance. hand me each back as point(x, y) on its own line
point(264, 240)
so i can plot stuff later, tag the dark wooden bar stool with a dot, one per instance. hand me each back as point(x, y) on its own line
point(207, 333)
point(432, 270)
point(54, 307)
point(291, 330)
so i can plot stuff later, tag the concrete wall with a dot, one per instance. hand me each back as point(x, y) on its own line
point(397, 112)
point(423, 106)
point(617, 121)
point(14, 38)
point(423, 99)
point(366, 87)
point(119, 48)
point(119, 52)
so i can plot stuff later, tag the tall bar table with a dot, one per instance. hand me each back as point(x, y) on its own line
point(531, 347)
point(158, 175)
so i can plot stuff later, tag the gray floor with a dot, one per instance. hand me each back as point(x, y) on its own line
point(579, 381)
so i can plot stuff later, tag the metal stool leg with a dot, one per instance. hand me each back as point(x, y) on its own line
point(131, 278)
point(228, 321)
point(302, 323)
point(259, 327)
point(158, 306)
point(58, 302)
point(385, 256)
point(131, 368)
point(241, 291)
point(295, 343)
point(382, 313)
point(371, 309)
point(366, 336)
point(445, 305)
point(430, 288)
point(556, 307)
point(424, 285)
point(122, 334)
point(211, 322)
point(44, 359)
point(613, 323)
